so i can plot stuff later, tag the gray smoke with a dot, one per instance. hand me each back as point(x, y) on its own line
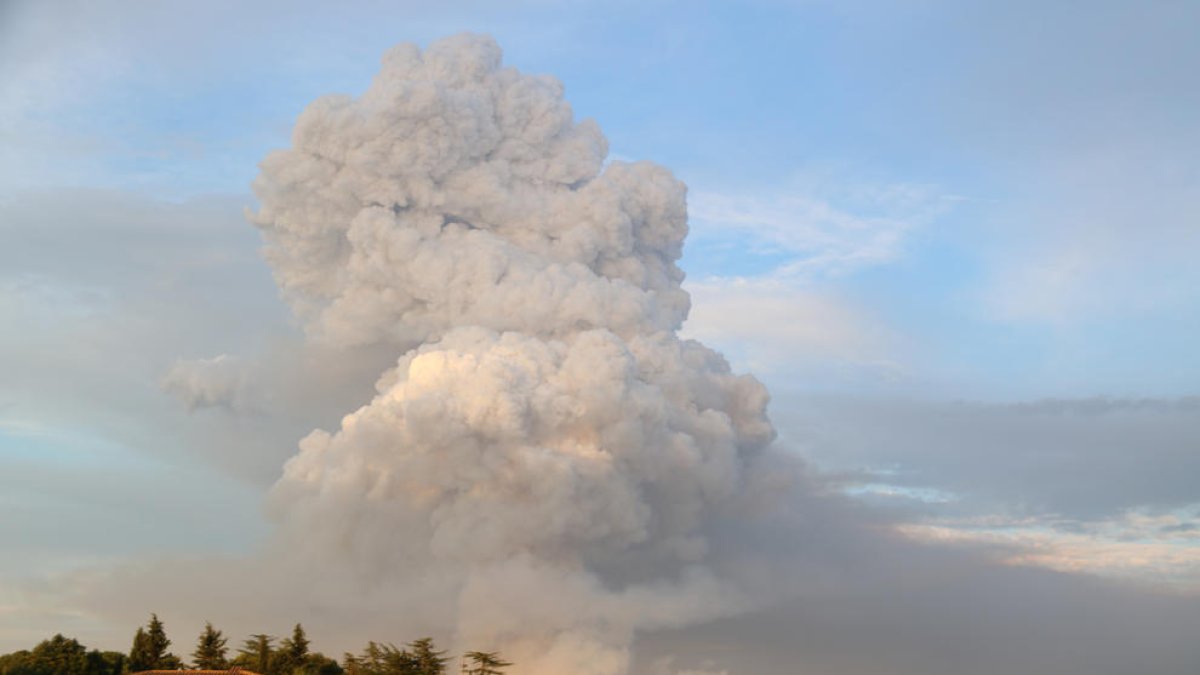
point(546, 452)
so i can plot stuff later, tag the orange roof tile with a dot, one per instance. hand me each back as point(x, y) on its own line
point(186, 671)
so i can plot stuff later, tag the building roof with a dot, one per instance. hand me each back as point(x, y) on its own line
point(186, 671)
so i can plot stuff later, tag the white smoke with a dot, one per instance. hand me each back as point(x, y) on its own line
point(218, 382)
point(546, 442)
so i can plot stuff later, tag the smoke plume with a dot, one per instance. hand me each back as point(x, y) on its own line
point(546, 451)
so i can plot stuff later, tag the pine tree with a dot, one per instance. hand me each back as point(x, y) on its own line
point(297, 645)
point(399, 662)
point(149, 651)
point(380, 659)
point(156, 636)
point(293, 652)
point(485, 663)
point(210, 650)
point(255, 653)
point(139, 653)
point(428, 660)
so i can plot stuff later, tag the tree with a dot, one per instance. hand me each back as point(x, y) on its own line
point(140, 657)
point(296, 647)
point(428, 660)
point(61, 656)
point(156, 636)
point(57, 656)
point(318, 664)
point(255, 653)
point(380, 659)
point(485, 663)
point(210, 650)
point(292, 653)
point(105, 663)
point(9, 663)
point(149, 650)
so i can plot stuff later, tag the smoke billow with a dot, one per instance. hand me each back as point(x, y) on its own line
point(219, 382)
point(546, 449)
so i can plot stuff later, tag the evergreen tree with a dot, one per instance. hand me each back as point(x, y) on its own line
point(156, 635)
point(399, 662)
point(139, 655)
point(296, 647)
point(255, 654)
point(379, 659)
point(485, 663)
point(428, 660)
point(149, 650)
point(292, 654)
point(210, 650)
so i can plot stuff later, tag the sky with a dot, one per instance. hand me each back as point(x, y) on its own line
point(955, 240)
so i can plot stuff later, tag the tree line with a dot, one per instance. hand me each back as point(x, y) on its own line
point(259, 653)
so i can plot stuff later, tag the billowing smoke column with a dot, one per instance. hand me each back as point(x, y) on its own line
point(546, 449)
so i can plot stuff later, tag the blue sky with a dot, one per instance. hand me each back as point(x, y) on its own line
point(955, 239)
point(1015, 274)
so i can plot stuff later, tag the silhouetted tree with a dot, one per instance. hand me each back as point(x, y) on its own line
point(61, 656)
point(429, 661)
point(210, 650)
point(57, 656)
point(292, 653)
point(317, 663)
point(139, 653)
point(255, 654)
point(381, 659)
point(485, 663)
point(64, 656)
point(296, 647)
point(149, 650)
point(106, 663)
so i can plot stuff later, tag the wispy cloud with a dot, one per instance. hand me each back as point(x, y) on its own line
point(770, 326)
point(770, 299)
point(1137, 545)
point(816, 228)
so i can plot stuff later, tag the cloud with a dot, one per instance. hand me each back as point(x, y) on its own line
point(770, 299)
point(909, 613)
point(776, 328)
point(1158, 549)
point(111, 289)
point(1074, 458)
point(815, 227)
point(1090, 486)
